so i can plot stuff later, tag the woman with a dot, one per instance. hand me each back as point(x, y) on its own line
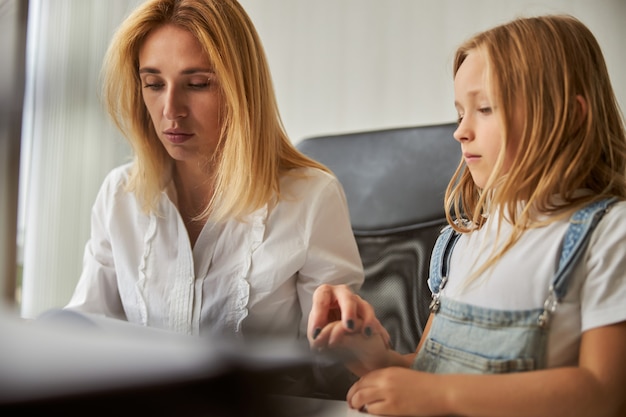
point(219, 224)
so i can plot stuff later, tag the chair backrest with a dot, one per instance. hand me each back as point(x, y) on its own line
point(395, 181)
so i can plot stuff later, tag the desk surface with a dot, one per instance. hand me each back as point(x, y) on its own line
point(313, 407)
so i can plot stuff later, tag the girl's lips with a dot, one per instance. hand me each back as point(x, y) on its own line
point(470, 157)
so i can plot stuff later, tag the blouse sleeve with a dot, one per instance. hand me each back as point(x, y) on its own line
point(332, 255)
point(604, 288)
point(97, 291)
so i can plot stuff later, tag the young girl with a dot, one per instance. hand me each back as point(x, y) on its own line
point(529, 280)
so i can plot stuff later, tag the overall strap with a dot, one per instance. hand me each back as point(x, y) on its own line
point(576, 239)
point(440, 263)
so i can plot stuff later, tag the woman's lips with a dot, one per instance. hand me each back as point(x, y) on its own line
point(177, 137)
point(471, 157)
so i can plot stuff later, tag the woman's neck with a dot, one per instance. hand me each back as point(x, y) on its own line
point(194, 189)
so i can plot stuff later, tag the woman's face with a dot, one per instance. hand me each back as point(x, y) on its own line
point(479, 130)
point(181, 92)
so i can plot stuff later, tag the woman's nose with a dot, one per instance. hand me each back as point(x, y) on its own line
point(175, 106)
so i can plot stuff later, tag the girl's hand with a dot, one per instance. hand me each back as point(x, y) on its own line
point(395, 391)
point(360, 353)
point(339, 303)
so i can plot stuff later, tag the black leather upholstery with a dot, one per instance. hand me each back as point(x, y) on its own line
point(394, 182)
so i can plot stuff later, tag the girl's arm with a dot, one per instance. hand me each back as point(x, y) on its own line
point(597, 387)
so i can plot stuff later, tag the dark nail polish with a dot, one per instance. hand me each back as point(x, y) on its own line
point(316, 333)
point(350, 324)
point(368, 331)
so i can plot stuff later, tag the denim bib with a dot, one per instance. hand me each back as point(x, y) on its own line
point(464, 338)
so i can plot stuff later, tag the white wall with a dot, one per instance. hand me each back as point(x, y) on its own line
point(338, 66)
point(346, 65)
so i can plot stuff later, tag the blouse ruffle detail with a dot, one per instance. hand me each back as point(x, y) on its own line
point(257, 220)
point(143, 266)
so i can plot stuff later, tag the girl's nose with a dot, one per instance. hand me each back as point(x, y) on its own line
point(463, 133)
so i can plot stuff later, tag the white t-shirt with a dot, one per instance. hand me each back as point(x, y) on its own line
point(253, 277)
point(596, 294)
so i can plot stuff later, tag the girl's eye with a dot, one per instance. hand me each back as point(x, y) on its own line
point(485, 110)
point(459, 119)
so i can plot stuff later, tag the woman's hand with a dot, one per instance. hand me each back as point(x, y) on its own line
point(333, 303)
point(360, 353)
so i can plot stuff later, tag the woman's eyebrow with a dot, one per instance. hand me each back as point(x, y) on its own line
point(197, 70)
point(150, 70)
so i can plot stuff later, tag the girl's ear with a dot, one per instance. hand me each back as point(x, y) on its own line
point(582, 109)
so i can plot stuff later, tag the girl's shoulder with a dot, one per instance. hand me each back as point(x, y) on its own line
point(612, 223)
point(618, 206)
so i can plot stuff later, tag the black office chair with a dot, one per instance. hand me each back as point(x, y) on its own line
point(394, 181)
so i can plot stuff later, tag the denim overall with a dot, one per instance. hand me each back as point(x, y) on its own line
point(465, 338)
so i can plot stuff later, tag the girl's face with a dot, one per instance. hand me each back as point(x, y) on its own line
point(479, 130)
point(181, 92)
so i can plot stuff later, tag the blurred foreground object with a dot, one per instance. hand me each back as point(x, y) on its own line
point(74, 364)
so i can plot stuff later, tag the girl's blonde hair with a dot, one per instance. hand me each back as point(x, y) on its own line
point(254, 147)
point(539, 67)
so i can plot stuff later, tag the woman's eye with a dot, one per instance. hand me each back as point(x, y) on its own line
point(153, 86)
point(485, 110)
point(200, 85)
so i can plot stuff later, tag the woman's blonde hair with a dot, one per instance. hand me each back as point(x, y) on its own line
point(539, 68)
point(254, 147)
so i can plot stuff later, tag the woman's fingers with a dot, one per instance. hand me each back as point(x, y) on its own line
point(340, 303)
point(331, 303)
point(370, 324)
point(334, 340)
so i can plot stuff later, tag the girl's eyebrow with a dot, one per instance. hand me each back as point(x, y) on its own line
point(471, 94)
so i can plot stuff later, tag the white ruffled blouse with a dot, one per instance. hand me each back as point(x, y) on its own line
point(242, 277)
